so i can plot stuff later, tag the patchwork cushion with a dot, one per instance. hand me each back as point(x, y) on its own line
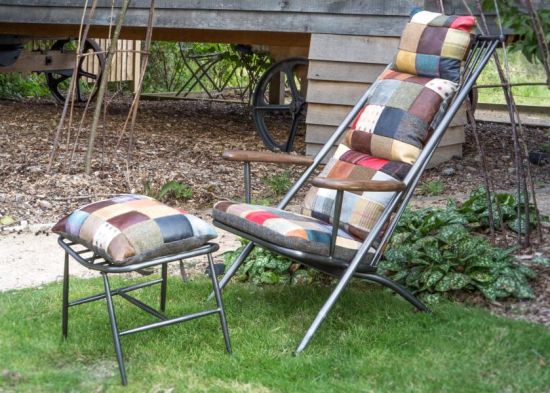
point(397, 119)
point(434, 45)
point(360, 211)
point(286, 229)
point(134, 228)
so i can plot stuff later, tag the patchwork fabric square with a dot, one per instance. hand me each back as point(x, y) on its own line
point(286, 229)
point(394, 126)
point(360, 211)
point(434, 45)
point(133, 228)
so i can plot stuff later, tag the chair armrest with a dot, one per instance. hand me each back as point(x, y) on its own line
point(358, 185)
point(261, 156)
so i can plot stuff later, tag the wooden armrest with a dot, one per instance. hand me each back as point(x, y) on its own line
point(266, 156)
point(358, 185)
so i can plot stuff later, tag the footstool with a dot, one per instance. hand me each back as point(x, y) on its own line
point(129, 233)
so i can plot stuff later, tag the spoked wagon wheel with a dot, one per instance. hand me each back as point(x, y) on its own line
point(89, 72)
point(279, 103)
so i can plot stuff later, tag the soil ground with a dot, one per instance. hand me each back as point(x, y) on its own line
point(183, 141)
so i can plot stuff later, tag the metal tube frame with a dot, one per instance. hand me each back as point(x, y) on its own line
point(97, 262)
point(481, 52)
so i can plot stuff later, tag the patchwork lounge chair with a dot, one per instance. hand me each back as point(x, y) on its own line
point(386, 142)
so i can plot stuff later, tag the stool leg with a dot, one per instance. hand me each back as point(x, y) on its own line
point(65, 305)
point(219, 302)
point(114, 329)
point(163, 286)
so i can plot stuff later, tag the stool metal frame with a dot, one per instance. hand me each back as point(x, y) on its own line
point(93, 261)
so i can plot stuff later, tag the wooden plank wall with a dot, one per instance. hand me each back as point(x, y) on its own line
point(341, 68)
point(126, 62)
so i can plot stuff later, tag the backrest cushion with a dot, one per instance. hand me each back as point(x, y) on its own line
point(397, 119)
point(405, 103)
point(133, 228)
point(434, 45)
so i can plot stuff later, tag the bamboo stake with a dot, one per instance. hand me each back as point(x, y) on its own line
point(103, 86)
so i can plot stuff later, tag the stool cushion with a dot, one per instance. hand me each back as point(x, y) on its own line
point(132, 228)
point(434, 45)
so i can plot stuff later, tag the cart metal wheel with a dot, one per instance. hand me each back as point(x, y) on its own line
point(87, 75)
point(279, 103)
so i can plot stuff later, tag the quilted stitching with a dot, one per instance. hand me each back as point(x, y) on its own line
point(133, 228)
point(284, 228)
point(434, 45)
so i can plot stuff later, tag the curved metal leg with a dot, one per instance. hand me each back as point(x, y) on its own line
point(114, 329)
point(405, 293)
point(65, 306)
point(163, 286)
point(233, 269)
point(219, 302)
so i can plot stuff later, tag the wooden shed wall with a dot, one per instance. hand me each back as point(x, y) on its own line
point(341, 69)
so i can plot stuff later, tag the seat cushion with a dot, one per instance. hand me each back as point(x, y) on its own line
point(434, 45)
point(132, 228)
point(286, 229)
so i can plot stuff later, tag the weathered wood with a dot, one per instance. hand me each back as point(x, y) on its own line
point(337, 93)
point(355, 7)
point(344, 72)
point(177, 18)
point(355, 49)
point(36, 61)
point(266, 156)
point(357, 185)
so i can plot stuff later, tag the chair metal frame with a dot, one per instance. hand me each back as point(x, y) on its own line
point(89, 259)
point(480, 53)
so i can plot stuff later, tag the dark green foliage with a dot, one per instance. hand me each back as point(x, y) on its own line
point(432, 188)
point(520, 22)
point(476, 210)
point(433, 251)
point(278, 184)
point(265, 267)
point(170, 189)
point(16, 85)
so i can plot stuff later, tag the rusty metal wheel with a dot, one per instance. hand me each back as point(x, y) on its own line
point(59, 81)
point(279, 103)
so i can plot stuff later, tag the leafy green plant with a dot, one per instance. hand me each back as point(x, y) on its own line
point(433, 252)
point(17, 85)
point(432, 187)
point(520, 22)
point(476, 210)
point(265, 267)
point(170, 189)
point(278, 183)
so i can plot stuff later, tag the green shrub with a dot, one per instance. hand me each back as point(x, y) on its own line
point(278, 184)
point(431, 188)
point(17, 85)
point(433, 251)
point(266, 267)
point(170, 189)
point(476, 210)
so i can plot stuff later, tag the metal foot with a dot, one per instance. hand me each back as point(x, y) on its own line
point(219, 302)
point(65, 304)
point(114, 329)
point(234, 267)
point(163, 286)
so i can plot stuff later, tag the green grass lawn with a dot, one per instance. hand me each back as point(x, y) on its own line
point(372, 342)
point(521, 71)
